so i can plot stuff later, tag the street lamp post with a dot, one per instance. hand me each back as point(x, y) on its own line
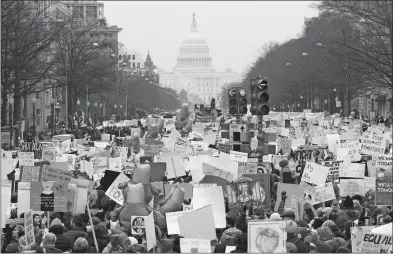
point(10, 102)
point(95, 112)
point(88, 114)
point(100, 112)
point(78, 102)
point(121, 111)
point(34, 101)
point(115, 112)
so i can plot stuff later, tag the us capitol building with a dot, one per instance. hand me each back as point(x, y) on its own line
point(194, 72)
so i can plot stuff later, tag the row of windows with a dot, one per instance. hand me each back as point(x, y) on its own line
point(78, 12)
point(137, 65)
point(126, 57)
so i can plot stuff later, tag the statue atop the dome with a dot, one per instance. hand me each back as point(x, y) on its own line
point(193, 17)
point(194, 26)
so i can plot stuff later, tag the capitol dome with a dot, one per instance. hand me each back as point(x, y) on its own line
point(194, 52)
point(194, 37)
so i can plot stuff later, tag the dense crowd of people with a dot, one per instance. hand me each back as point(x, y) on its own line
point(324, 228)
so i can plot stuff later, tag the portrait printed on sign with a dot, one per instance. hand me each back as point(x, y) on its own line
point(48, 196)
point(267, 236)
point(49, 154)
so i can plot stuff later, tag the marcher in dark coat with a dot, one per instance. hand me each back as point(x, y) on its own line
point(76, 229)
point(63, 243)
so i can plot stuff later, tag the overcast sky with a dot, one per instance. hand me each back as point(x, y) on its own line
point(235, 31)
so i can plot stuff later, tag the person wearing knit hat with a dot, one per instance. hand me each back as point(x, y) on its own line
point(322, 247)
point(311, 238)
point(231, 236)
point(386, 220)
point(291, 231)
point(335, 206)
point(275, 216)
point(317, 223)
point(291, 248)
point(348, 203)
point(319, 212)
point(324, 234)
point(336, 243)
point(302, 223)
point(343, 250)
point(63, 242)
point(49, 242)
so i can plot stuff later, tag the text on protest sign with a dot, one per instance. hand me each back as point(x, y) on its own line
point(238, 156)
point(351, 187)
point(29, 228)
point(188, 245)
point(114, 192)
point(376, 243)
point(30, 174)
point(319, 194)
point(333, 170)
point(373, 144)
point(352, 170)
point(26, 158)
point(384, 161)
point(314, 173)
point(50, 173)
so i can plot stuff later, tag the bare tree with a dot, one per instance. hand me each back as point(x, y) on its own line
point(28, 31)
point(367, 37)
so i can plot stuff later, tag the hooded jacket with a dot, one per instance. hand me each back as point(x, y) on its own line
point(63, 242)
point(75, 233)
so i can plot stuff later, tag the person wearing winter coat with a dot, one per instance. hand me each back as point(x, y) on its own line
point(63, 243)
point(76, 229)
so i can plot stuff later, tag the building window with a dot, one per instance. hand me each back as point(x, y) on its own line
point(38, 116)
point(120, 57)
point(77, 12)
point(133, 57)
point(133, 65)
point(138, 65)
point(91, 12)
point(110, 35)
point(129, 57)
point(37, 95)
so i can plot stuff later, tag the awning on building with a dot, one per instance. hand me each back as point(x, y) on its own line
point(380, 98)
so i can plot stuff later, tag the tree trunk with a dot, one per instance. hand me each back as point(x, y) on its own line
point(4, 109)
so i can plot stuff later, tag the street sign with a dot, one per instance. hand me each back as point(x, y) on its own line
point(235, 131)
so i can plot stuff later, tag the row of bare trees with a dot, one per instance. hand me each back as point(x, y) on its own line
point(344, 52)
point(42, 49)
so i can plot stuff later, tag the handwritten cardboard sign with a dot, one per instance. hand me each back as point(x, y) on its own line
point(188, 245)
point(333, 170)
point(29, 228)
point(373, 144)
point(353, 170)
point(351, 187)
point(51, 173)
point(30, 174)
point(26, 158)
point(114, 192)
point(314, 173)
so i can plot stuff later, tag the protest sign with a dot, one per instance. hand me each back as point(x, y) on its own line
point(314, 173)
point(49, 154)
point(5, 201)
point(138, 225)
point(173, 223)
point(238, 156)
point(297, 207)
point(356, 239)
point(352, 170)
point(151, 238)
point(30, 173)
point(351, 187)
point(198, 224)
point(323, 193)
point(372, 144)
point(48, 196)
point(188, 245)
point(29, 228)
point(352, 150)
point(288, 190)
point(213, 196)
point(333, 166)
point(384, 187)
point(374, 243)
point(267, 237)
point(114, 192)
point(384, 161)
point(115, 164)
point(26, 158)
point(50, 173)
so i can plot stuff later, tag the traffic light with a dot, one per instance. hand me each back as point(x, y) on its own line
point(196, 106)
point(262, 143)
point(213, 103)
point(259, 97)
point(237, 101)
